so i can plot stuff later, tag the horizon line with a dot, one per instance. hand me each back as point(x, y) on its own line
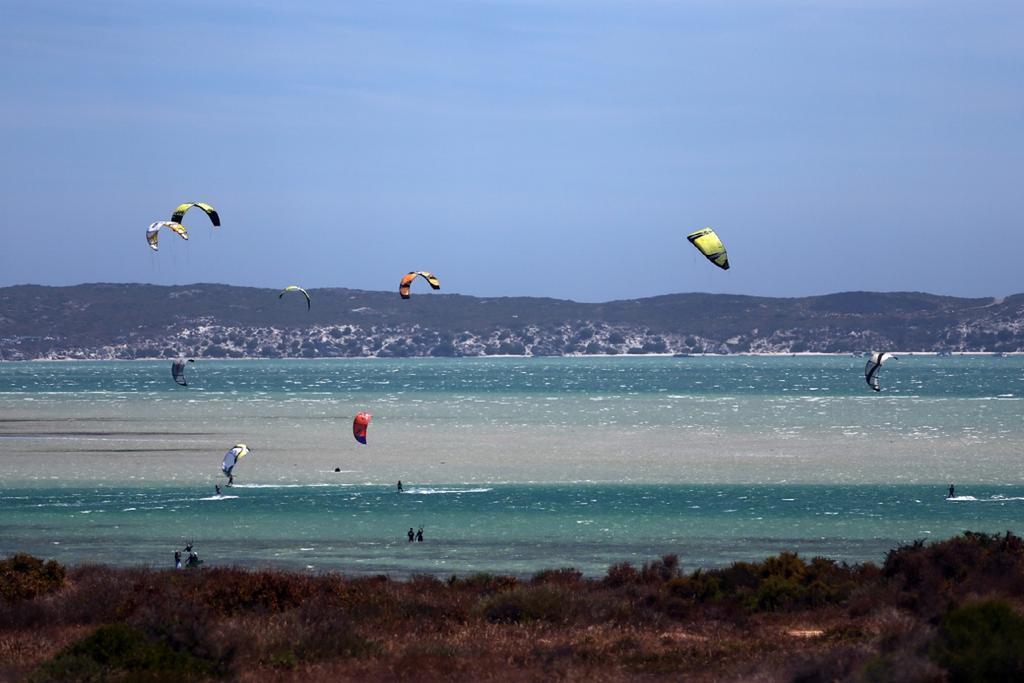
point(995, 299)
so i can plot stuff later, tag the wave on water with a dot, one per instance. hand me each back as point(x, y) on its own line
point(428, 491)
point(222, 497)
point(280, 486)
point(997, 498)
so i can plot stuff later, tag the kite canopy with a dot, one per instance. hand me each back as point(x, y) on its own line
point(296, 288)
point(178, 371)
point(403, 286)
point(231, 458)
point(153, 232)
point(707, 243)
point(359, 425)
point(873, 366)
point(179, 213)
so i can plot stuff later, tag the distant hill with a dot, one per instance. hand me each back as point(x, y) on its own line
point(221, 321)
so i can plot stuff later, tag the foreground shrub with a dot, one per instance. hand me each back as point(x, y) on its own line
point(563, 576)
point(929, 578)
point(660, 571)
point(232, 591)
point(308, 634)
point(24, 577)
point(121, 652)
point(482, 583)
point(983, 641)
point(785, 581)
point(187, 627)
point(622, 574)
point(533, 603)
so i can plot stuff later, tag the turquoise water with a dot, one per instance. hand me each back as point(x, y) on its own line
point(510, 528)
point(511, 465)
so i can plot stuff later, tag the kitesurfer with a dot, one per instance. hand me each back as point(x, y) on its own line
point(231, 459)
point(952, 491)
point(411, 535)
point(873, 366)
point(399, 485)
point(217, 486)
point(419, 535)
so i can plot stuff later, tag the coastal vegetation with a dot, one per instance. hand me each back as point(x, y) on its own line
point(126, 321)
point(948, 610)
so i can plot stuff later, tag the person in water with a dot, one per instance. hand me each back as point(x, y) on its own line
point(419, 535)
point(399, 485)
point(177, 559)
point(411, 535)
point(193, 557)
point(952, 491)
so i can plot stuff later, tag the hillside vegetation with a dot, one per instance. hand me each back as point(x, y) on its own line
point(221, 321)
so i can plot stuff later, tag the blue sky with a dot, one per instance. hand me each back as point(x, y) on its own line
point(517, 147)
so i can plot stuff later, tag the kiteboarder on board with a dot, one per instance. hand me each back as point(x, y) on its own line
point(399, 485)
point(231, 458)
point(952, 491)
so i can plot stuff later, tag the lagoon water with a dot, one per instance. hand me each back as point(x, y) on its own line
point(510, 464)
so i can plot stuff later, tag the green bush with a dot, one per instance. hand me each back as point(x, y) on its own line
point(121, 652)
point(24, 577)
point(929, 578)
point(534, 603)
point(785, 581)
point(983, 641)
point(661, 570)
point(699, 587)
point(563, 576)
point(776, 593)
point(482, 583)
point(622, 574)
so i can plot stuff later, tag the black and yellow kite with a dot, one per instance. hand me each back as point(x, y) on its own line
point(296, 288)
point(708, 243)
point(179, 213)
